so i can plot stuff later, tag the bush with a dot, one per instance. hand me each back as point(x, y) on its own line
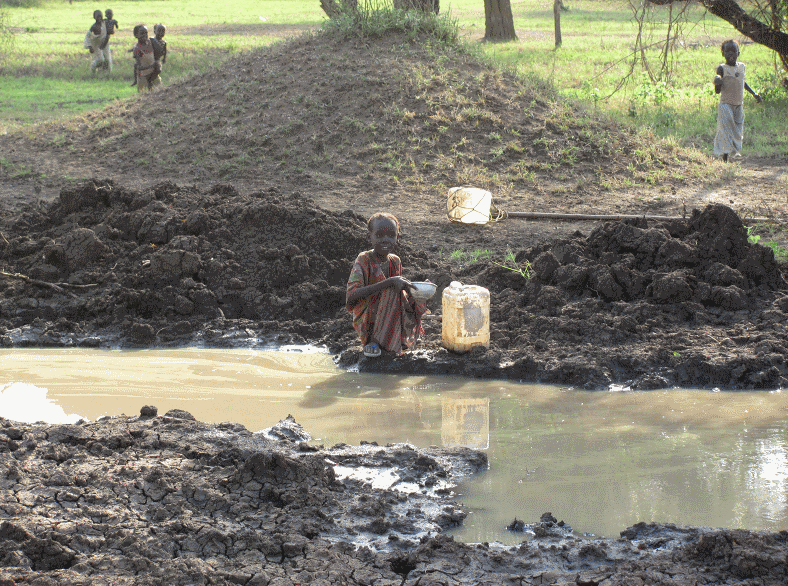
point(380, 18)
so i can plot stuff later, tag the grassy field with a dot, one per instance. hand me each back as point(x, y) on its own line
point(45, 74)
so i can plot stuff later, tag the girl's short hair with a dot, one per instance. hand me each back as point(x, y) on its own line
point(379, 216)
point(729, 42)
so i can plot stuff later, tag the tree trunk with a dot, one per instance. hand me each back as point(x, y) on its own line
point(334, 8)
point(499, 22)
point(422, 5)
point(557, 18)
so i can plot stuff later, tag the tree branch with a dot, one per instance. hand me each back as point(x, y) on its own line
point(730, 11)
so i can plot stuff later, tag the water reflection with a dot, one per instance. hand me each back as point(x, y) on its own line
point(465, 421)
point(601, 461)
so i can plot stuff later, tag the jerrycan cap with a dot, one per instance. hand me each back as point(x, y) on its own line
point(455, 284)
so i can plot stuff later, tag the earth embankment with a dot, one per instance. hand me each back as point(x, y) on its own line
point(687, 302)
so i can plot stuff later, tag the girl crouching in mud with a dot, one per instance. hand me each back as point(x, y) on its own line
point(384, 314)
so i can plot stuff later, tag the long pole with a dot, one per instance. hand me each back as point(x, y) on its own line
point(552, 216)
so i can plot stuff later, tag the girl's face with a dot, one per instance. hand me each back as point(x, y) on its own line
point(730, 52)
point(142, 35)
point(383, 237)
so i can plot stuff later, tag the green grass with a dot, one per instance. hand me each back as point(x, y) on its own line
point(755, 234)
point(461, 258)
point(596, 54)
point(27, 100)
point(46, 74)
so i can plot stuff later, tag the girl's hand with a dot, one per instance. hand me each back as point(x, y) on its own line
point(399, 282)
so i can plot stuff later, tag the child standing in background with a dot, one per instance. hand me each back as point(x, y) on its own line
point(159, 30)
point(111, 23)
point(385, 316)
point(730, 84)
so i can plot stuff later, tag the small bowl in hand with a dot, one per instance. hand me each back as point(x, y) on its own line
point(422, 290)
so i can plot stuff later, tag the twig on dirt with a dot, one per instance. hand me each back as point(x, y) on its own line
point(59, 287)
point(4, 240)
point(768, 207)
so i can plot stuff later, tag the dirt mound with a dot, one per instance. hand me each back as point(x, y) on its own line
point(387, 113)
point(687, 302)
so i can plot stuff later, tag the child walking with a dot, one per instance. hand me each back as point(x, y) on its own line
point(730, 84)
point(385, 316)
point(96, 40)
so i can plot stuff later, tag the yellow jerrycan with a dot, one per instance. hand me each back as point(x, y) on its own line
point(466, 317)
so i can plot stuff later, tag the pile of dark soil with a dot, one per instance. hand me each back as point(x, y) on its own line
point(650, 305)
point(169, 500)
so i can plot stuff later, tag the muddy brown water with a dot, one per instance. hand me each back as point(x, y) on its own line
point(601, 461)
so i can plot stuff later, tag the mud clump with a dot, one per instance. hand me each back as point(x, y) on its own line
point(170, 500)
point(634, 303)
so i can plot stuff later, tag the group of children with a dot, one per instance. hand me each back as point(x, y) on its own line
point(97, 40)
point(150, 53)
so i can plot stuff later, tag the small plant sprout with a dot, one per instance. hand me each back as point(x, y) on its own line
point(780, 253)
point(510, 263)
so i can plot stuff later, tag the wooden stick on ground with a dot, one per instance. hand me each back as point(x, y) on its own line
point(610, 217)
point(58, 287)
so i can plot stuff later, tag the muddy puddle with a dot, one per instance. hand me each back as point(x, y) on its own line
point(601, 461)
